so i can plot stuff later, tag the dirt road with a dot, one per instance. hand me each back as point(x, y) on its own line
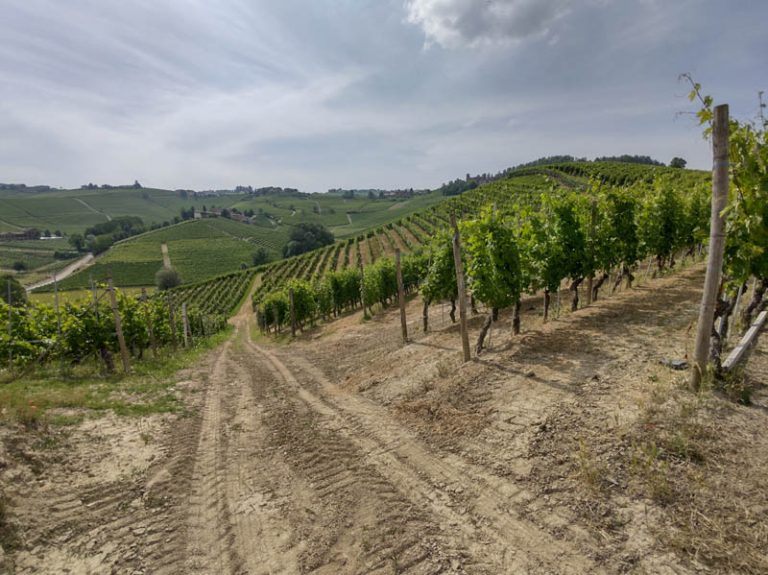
point(75, 266)
point(289, 474)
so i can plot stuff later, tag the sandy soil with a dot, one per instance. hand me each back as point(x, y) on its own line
point(347, 452)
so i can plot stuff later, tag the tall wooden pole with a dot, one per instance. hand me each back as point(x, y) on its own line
point(150, 323)
point(118, 326)
point(293, 312)
point(56, 304)
point(361, 267)
point(592, 231)
point(185, 324)
point(460, 288)
point(10, 328)
point(401, 296)
point(171, 320)
point(716, 244)
point(95, 297)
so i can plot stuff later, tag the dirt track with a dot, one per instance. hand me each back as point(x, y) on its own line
point(291, 475)
point(351, 454)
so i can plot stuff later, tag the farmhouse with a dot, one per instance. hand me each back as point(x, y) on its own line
point(28, 234)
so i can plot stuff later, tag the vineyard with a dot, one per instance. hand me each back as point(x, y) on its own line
point(220, 295)
point(526, 234)
point(199, 250)
point(76, 332)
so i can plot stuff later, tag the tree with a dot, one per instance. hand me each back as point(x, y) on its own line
point(261, 256)
point(167, 278)
point(77, 241)
point(677, 163)
point(306, 237)
point(18, 295)
point(19, 266)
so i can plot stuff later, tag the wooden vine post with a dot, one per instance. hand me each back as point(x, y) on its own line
point(185, 324)
point(56, 305)
point(362, 282)
point(150, 323)
point(401, 296)
point(716, 244)
point(171, 320)
point(10, 321)
point(592, 232)
point(293, 312)
point(118, 326)
point(462, 294)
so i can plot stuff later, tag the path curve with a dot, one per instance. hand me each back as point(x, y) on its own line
point(75, 266)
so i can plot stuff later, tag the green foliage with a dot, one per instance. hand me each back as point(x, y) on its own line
point(543, 258)
point(217, 296)
point(306, 237)
point(440, 279)
point(746, 248)
point(88, 329)
point(493, 261)
point(571, 237)
point(167, 278)
point(304, 304)
point(11, 288)
point(662, 219)
point(618, 235)
point(261, 256)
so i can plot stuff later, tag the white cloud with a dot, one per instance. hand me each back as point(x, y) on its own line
point(455, 23)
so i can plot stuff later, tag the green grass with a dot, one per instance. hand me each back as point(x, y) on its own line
point(53, 395)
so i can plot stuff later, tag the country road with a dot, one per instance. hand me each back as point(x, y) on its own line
point(75, 266)
point(281, 472)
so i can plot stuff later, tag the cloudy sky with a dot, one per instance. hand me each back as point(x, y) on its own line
point(358, 93)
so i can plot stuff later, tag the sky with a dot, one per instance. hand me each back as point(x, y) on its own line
point(319, 94)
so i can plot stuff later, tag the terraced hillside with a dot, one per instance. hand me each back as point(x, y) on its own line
point(199, 250)
point(412, 232)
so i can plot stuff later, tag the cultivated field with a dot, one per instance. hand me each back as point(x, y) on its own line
point(199, 250)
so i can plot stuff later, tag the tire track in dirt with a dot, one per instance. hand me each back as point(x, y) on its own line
point(211, 546)
point(477, 505)
point(347, 517)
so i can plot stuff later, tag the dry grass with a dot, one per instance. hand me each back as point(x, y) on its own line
point(695, 456)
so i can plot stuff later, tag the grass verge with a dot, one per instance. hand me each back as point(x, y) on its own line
point(55, 395)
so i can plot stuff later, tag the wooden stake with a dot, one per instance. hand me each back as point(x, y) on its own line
point(401, 296)
point(716, 244)
point(740, 351)
point(460, 288)
point(362, 282)
point(293, 312)
point(118, 326)
point(593, 225)
point(95, 298)
point(185, 324)
point(150, 324)
point(10, 329)
point(171, 320)
point(56, 304)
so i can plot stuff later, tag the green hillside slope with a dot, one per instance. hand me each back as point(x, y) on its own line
point(199, 250)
